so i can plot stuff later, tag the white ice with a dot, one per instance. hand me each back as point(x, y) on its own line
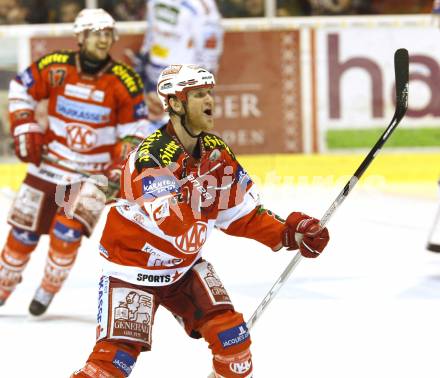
point(369, 307)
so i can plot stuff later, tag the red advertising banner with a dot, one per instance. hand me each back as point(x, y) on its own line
point(258, 103)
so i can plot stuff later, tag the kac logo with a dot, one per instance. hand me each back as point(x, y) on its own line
point(240, 367)
point(191, 242)
point(81, 137)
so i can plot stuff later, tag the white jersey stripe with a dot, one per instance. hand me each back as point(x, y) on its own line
point(104, 135)
point(76, 157)
point(19, 98)
point(146, 277)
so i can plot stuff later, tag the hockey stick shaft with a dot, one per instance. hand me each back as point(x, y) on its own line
point(401, 62)
point(62, 163)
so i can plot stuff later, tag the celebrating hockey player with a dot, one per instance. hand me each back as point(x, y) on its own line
point(180, 183)
point(188, 31)
point(96, 115)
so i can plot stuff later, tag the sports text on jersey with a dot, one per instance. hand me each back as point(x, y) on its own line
point(151, 278)
point(211, 141)
point(168, 152)
point(159, 148)
point(144, 149)
point(51, 59)
point(128, 78)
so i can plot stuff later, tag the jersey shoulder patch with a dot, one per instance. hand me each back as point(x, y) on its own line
point(56, 57)
point(157, 150)
point(128, 77)
point(212, 141)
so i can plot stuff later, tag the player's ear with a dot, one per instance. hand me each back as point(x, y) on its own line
point(176, 105)
point(80, 38)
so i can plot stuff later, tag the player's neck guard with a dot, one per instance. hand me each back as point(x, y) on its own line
point(91, 66)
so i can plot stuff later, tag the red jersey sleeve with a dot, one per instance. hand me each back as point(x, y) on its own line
point(131, 112)
point(239, 210)
point(31, 86)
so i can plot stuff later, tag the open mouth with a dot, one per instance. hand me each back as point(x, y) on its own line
point(208, 112)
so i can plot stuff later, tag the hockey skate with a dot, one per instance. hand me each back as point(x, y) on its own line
point(4, 295)
point(40, 302)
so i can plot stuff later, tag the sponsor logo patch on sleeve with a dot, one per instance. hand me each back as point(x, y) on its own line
point(234, 336)
point(159, 186)
point(26, 78)
point(69, 235)
point(140, 110)
point(242, 178)
point(124, 362)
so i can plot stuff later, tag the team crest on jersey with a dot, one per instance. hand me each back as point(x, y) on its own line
point(81, 138)
point(192, 241)
point(241, 367)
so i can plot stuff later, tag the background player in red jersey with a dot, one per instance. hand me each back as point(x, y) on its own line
point(180, 184)
point(96, 115)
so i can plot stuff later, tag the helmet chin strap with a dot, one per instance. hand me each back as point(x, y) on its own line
point(183, 122)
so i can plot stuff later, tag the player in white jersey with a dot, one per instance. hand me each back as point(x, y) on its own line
point(187, 31)
point(96, 114)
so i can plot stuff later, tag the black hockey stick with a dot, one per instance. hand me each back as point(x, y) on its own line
point(401, 62)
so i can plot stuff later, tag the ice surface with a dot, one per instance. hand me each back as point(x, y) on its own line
point(369, 307)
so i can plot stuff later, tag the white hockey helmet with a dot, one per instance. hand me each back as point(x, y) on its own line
point(93, 19)
point(178, 79)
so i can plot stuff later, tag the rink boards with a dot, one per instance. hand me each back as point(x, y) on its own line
point(387, 170)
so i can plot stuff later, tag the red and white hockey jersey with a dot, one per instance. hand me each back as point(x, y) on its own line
point(172, 201)
point(87, 114)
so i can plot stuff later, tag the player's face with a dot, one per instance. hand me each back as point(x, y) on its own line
point(200, 107)
point(97, 43)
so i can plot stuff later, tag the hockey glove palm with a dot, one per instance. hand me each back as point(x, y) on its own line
point(304, 232)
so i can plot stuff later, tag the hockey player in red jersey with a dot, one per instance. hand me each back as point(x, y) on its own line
point(96, 115)
point(179, 184)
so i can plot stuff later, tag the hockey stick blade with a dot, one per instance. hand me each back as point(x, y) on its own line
point(401, 62)
point(401, 69)
point(401, 73)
